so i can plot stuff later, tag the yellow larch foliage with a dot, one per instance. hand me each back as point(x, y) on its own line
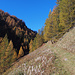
point(21, 52)
point(30, 46)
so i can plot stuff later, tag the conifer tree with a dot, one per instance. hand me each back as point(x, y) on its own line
point(66, 15)
point(48, 29)
point(42, 34)
point(9, 54)
point(54, 23)
point(21, 52)
point(38, 41)
point(31, 46)
point(3, 48)
point(60, 20)
point(14, 55)
point(34, 44)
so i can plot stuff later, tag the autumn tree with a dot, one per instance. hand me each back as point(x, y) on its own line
point(34, 44)
point(21, 52)
point(14, 55)
point(66, 15)
point(31, 46)
point(60, 19)
point(48, 29)
point(3, 48)
point(37, 42)
point(6, 54)
point(9, 53)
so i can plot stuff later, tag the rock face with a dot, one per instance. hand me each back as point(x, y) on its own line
point(16, 30)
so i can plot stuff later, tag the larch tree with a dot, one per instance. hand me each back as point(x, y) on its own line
point(39, 40)
point(55, 22)
point(9, 54)
point(3, 47)
point(14, 55)
point(21, 52)
point(31, 46)
point(48, 29)
point(67, 14)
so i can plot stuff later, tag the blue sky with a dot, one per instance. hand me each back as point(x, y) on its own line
point(32, 12)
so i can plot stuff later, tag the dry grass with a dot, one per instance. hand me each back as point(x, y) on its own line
point(37, 65)
point(68, 41)
point(48, 60)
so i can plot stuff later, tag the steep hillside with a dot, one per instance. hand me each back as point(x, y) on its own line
point(68, 41)
point(49, 59)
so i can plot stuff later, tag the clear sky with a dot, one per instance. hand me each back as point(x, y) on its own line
point(32, 12)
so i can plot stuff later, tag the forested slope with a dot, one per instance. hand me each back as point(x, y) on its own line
point(59, 21)
point(14, 39)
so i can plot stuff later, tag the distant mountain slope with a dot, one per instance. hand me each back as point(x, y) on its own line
point(16, 30)
point(49, 59)
point(14, 39)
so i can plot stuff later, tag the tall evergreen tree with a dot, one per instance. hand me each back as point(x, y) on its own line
point(31, 46)
point(14, 55)
point(48, 29)
point(6, 52)
point(3, 47)
point(60, 20)
point(55, 20)
point(67, 9)
point(21, 52)
point(9, 54)
point(37, 42)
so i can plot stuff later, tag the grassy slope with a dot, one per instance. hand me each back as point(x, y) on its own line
point(48, 59)
point(68, 41)
point(66, 58)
